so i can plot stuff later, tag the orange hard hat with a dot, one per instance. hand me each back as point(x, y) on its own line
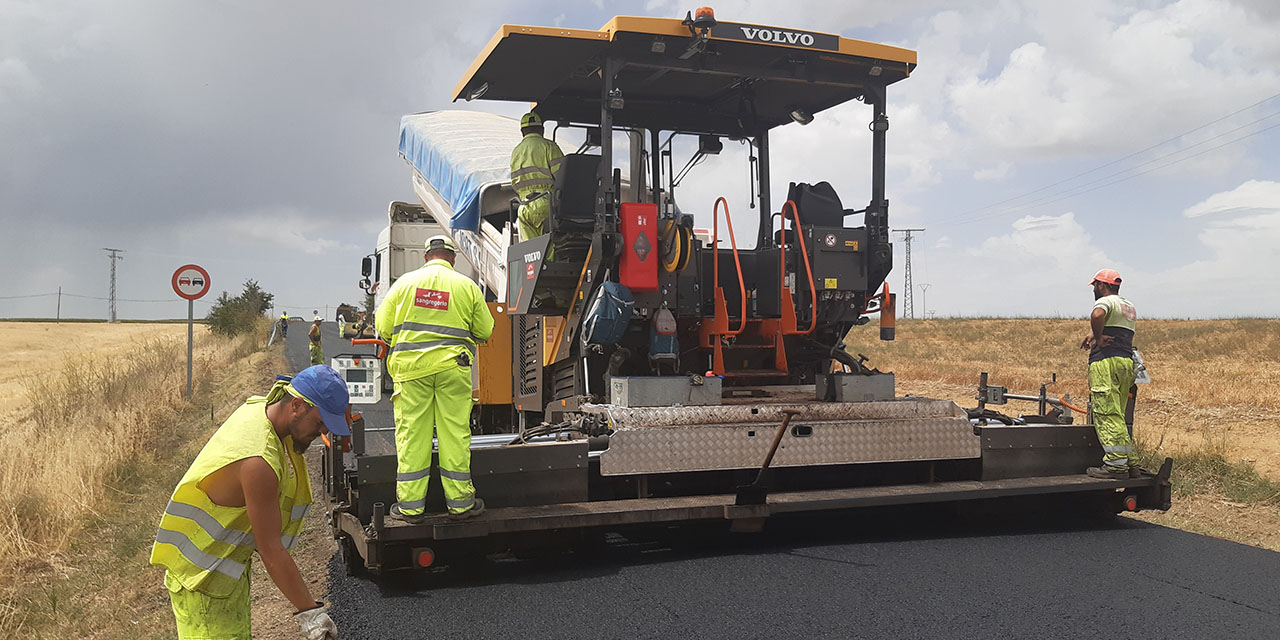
point(1108, 276)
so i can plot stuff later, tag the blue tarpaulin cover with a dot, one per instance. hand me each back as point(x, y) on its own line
point(458, 152)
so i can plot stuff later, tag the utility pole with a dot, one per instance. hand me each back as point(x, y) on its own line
point(59, 305)
point(114, 255)
point(924, 300)
point(908, 309)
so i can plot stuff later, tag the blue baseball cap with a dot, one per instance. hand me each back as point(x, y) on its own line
point(323, 387)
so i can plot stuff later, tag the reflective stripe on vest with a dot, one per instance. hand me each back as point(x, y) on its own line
point(423, 346)
point(433, 328)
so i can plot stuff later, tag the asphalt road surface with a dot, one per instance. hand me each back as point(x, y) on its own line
point(900, 573)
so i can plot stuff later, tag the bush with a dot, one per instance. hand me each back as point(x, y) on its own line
point(233, 316)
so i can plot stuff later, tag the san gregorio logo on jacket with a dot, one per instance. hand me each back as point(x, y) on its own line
point(431, 299)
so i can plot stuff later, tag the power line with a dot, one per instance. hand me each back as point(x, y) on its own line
point(1119, 180)
point(1131, 155)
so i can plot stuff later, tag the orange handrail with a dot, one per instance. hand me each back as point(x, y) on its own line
point(382, 345)
point(804, 255)
point(715, 268)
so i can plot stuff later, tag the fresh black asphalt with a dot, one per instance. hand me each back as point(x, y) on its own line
point(919, 573)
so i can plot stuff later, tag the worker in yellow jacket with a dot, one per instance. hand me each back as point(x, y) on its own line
point(432, 318)
point(534, 163)
point(248, 490)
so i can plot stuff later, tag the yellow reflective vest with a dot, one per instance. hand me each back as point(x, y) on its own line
point(207, 546)
point(430, 317)
point(534, 162)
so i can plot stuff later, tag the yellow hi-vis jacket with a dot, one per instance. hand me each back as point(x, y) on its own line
point(430, 317)
point(534, 162)
point(205, 545)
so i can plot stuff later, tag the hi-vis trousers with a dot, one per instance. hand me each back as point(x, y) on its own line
point(439, 403)
point(202, 617)
point(1109, 383)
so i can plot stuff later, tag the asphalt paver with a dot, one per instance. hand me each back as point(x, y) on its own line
point(932, 572)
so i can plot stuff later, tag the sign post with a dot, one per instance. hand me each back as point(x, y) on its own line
point(190, 282)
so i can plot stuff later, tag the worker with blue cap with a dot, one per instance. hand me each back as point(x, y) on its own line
point(248, 490)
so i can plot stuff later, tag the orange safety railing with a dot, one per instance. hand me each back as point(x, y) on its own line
point(782, 270)
point(382, 345)
point(715, 268)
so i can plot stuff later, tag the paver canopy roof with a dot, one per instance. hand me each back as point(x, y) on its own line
point(740, 79)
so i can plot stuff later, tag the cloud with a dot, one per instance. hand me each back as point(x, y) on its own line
point(17, 82)
point(1254, 196)
point(998, 172)
point(285, 230)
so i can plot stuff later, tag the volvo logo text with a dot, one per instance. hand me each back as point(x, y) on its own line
point(778, 36)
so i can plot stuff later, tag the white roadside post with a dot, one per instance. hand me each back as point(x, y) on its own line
point(190, 282)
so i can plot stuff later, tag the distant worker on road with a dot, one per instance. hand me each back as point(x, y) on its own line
point(432, 318)
point(284, 324)
point(248, 490)
point(317, 352)
point(1110, 342)
point(534, 162)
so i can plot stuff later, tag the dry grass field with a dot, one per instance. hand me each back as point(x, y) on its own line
point(1215, 383)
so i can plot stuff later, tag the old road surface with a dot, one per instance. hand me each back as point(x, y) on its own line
point(931, 573)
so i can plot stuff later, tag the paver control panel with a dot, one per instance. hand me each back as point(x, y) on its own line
point(363, 375)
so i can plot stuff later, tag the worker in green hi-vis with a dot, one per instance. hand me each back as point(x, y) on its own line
point(1112, 324)
point(534, 163)
point(432, 318)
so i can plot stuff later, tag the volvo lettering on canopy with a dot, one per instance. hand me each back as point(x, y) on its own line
point(755, 33)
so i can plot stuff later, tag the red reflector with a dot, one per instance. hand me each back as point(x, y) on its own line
point(1131, 503)
point(426, 558)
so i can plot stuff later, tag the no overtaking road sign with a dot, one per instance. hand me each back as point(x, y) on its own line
point(190, 282)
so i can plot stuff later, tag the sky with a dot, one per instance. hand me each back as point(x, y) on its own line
point(1036, 143)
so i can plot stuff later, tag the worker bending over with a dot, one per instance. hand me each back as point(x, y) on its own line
point(432, 318)
point(317, 352)
point(248, 489)
point(534, 163)
point(1110, 342)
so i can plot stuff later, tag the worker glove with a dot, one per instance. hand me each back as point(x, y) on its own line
point(316, 623)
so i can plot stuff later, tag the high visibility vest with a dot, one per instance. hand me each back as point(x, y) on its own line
point(430, 317)
point(206, 546)
point(534, 162)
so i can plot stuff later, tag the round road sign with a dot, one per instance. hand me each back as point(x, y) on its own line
point(190, 281)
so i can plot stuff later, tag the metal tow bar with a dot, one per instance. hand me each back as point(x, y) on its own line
point(757, 492)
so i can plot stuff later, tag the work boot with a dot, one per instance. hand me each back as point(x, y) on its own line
point(1107, 473)
point(1135, 472)
point(411, 518)
point(474, 511)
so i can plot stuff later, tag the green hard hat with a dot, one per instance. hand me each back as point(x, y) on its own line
point(530, 119)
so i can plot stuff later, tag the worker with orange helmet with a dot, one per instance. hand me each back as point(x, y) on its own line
point(1110, 342)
